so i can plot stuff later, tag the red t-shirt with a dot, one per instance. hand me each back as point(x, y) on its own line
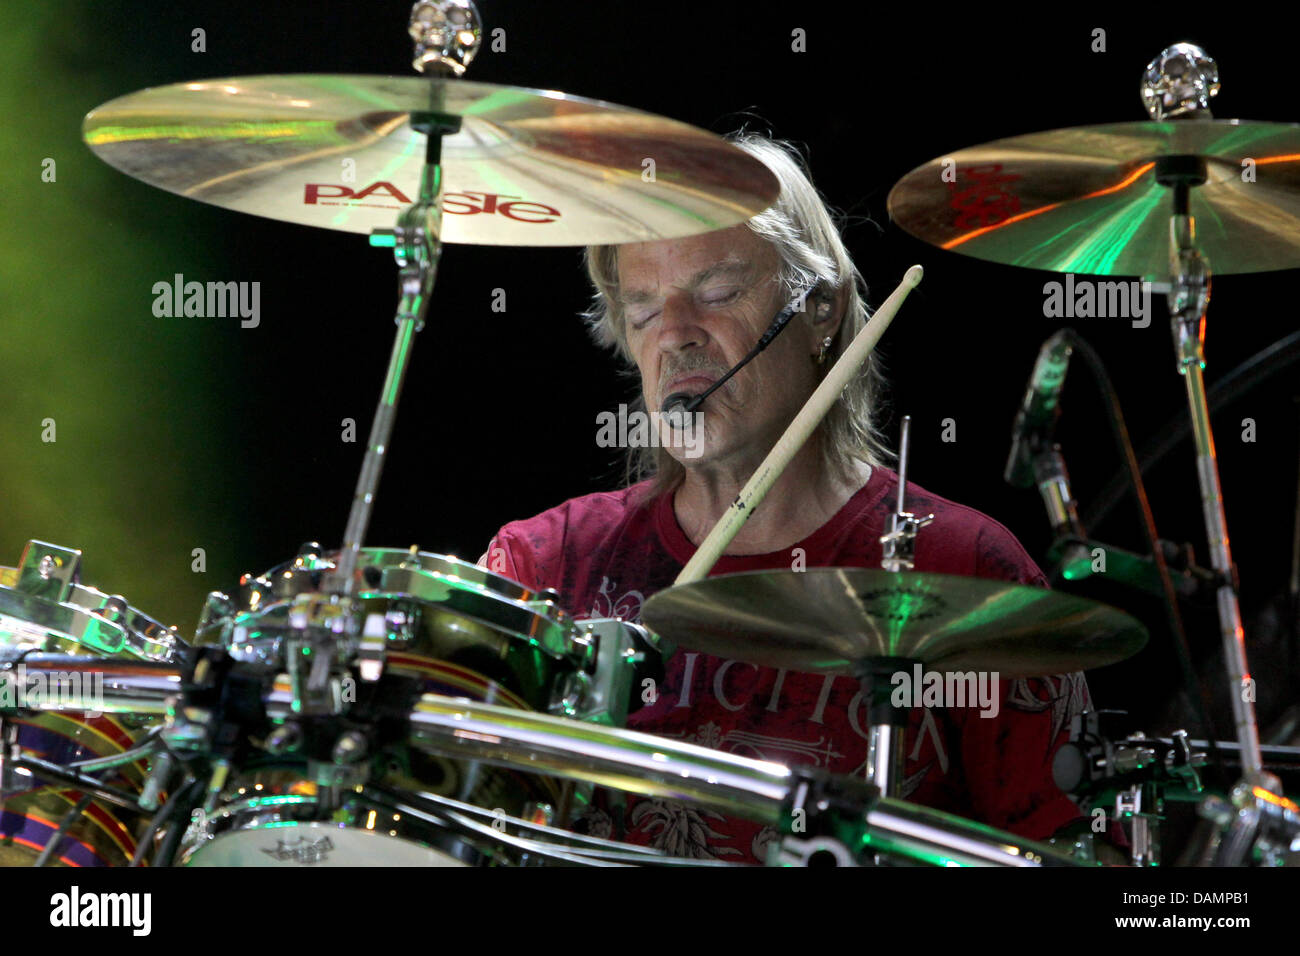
point(606, 553)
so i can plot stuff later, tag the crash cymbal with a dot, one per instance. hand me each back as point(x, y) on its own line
point(833, 620)
point(1086, 200)
point(528, 167)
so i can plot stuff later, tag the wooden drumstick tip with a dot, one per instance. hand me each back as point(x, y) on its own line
point(912, 277)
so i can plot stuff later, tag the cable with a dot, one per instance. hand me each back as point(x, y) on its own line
point(1254, 371)
point(1195, 689)
point(69, 818)
point(183, 791)
point(146, 746)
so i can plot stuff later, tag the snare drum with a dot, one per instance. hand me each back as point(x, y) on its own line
point(44, 609)
point(458, 629)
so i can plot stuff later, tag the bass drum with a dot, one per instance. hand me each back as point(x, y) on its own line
point(457, 630)
point(102, 834)
point(44, 610)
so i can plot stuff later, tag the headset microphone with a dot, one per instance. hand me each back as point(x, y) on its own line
point(688, 403)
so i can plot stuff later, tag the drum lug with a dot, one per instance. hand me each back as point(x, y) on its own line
point(347, 766)
point(350, 748)
point(283, 739)
point(571, 696)
point(337, 775)
point(217, 609)
point(412, 560)
point(48, 570)
point(614, 654)
point(310, 557)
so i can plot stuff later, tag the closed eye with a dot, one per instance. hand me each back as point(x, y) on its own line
point(720, 296)
point(641, 319)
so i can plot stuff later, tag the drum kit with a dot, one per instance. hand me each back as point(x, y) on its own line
point(376, 706)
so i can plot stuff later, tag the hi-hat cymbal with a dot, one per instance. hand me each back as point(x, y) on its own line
point(528, 167)
point(1085, 200)
point(834, 620)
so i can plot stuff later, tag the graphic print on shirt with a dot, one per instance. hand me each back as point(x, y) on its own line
point(680, 830)
point(627, 606)
point(1067, 695)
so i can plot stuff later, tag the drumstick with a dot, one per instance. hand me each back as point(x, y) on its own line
point(809, 417)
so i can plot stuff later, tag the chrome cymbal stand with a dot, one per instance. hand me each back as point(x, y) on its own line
point(888, 724)
point(1179, 84)
point(447, 34)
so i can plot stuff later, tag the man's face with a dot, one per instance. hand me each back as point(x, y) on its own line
point(693, 308)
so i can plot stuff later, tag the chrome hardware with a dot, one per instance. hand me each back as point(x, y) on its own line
point(1184, 763)
point(218, 607)
point(818, 851)
point(1129, 807)
point(572, 692)
point(283, 739)
point(324, 632)
point(1179, 81)
point(163, 765)
point(187, 730)
point(447, 35)
point(370, 652)
point(9, 752)
point(336, 775)
point(216, 784)
point(48, 570)
point(350, 748)
point(898, 544)
point(412, 560)
point(604, 696)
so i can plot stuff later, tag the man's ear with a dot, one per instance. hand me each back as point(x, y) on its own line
point(828, 310)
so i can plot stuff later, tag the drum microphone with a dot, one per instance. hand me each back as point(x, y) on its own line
point(1039, 409)
point(689, 403)
point(1036, 460)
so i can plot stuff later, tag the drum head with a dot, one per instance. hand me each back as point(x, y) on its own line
point(315, 844)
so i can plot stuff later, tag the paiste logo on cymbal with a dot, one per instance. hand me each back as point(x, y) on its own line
point(456, 204)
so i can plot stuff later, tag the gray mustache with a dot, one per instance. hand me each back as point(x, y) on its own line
point(688, 365)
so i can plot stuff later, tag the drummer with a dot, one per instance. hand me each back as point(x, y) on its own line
point(682, 312)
